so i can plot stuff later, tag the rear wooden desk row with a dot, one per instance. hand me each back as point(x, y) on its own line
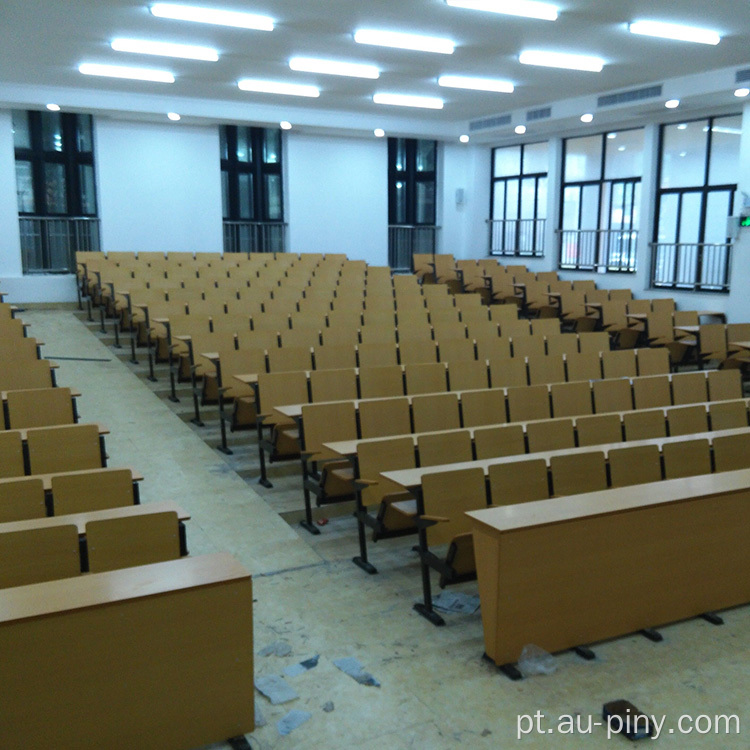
point(63, 493)
point(50, 549)
point(39, 407)
point(39, 373)
point(441, 519)
point(48, 450)
point(179, 631)
point(580, 569)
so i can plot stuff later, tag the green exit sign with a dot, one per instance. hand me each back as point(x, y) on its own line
point(745, 221)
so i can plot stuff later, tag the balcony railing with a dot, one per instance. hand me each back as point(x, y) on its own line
point(405, 240)
point(49, 245)
point(517, 237)
point(254, 237)
point(696, 266)
point(600, 250)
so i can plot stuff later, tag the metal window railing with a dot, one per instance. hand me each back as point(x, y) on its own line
point(49, 245)
point(698, 267)
point(254, 237)
point(600, 250)
point(406, 240)
point(517, 237)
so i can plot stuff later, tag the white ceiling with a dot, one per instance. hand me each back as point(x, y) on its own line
point(44, 41)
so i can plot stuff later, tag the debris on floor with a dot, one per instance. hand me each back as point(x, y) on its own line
point(328, 707)
point(455, 601)
point(535, 660)
point(260, 719)
point(277, 648)
point(302, 667)
point(275, 689)
point(295, 718)
point(351, 666)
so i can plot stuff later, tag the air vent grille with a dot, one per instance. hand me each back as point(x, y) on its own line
point(490, 122)
point(743, 75)
point(539, 114)
point(627, 97)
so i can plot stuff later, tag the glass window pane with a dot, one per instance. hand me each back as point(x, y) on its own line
point(507, 161)
point(583, 158)
point(273, 196)
point(511, 204)
point(635, 221)
point(271, 146)
point(498, 201)
point(590, 207)
point(528, 198)
point(725, 151)
point(88, 189)
point(244, 145)
point(25, 187)
point(400, 203)
point(223, 146)
point(624, 154)
point(84, 135)
point(426, 156)
point(54, 184)
point(21, 132)
point(400, 154)
point(717, 211)
point(535, 158)
point(225, 194)
point(541, 201)
point(690, 218)
point(668, 218)
point(52, 131)
point(571, 206)
point(246, 196)
point(425, 203)
point(683, 160)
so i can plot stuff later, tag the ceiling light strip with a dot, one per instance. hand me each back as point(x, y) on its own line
point(165, 49)
point(523, 8)
point(333, 67)
point(404, 41)
point(277, 87)
point(213, 16)
point(562, 60)
point(121, 71)
point(477, 84)
point(675, 31)
point(406, 100)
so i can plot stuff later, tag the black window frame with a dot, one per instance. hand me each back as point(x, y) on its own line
point(411, 177)
point(537, 247)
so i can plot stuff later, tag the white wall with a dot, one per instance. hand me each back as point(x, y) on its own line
point(159, 186)
point(10, 244)
point(337, 196)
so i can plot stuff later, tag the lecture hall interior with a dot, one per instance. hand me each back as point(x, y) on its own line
point(374, 374)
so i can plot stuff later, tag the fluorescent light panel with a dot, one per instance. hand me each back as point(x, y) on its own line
point(524, 8)
point(561, 60)
point(404, 41)
point(121, 71)
point(477, 84)
point(675, 31)
point(165, 49)
point(333, 67)
point(212, 16)
point(276, 87)
point(406, 100)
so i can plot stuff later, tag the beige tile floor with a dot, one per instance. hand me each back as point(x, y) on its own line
point(436, 692)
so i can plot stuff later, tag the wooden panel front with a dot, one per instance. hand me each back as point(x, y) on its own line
point(588, 579)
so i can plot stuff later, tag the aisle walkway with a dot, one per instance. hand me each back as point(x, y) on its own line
point(436, 692)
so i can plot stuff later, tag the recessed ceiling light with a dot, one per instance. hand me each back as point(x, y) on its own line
point(611, 136)
point(742, 93)
point(463, 138)
point(621, 148)
point(213, 16)
point(672, 104)
point(525, 8)
point(53, 107)
point(562, 60)
point(406, 100)
point(165, 49)
point(587, 118)
point(333, 67)
point(276, 87)
point(121, 71)
point(682, 126)
point(675, 31)
point(173, 116)
point(379, 132)
point(520, 129)
point(683, 154)
point(285, 125)
point(477, 84)
point(404, 41)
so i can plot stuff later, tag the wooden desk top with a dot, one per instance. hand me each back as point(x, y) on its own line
point(99, 589)
point(688, 329)
point(250, 379)
point(740, 344)
point(637, 316)
point(24, 431)
point(605, 502)
point(47, 478)
point(74, 394)
point(411, 479)
point(81, 519)
point(594, 305)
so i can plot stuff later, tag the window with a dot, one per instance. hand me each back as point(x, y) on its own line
point(412, 199)
point(252, 195)
point(601, 196)
point(55, 188)
point(519, 200)
point(698, 176)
